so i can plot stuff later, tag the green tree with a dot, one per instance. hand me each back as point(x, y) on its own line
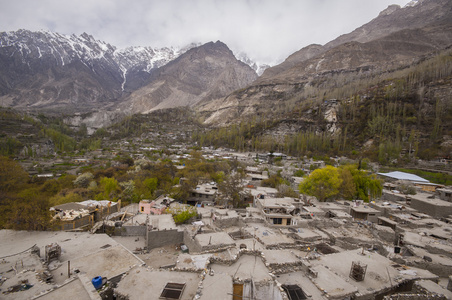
point(10, 146)
point(30, 211)
point(82, 130)
point(348, 188)
point(65, 198)
point(323, 183)
point(274, 180)
point(12, 176)
point(365, 184)
point(110, 189)
point(182, 213)
point(66, 181)
point(146, 188)
point(13, 179)
point(298, 173)
point(50, 187)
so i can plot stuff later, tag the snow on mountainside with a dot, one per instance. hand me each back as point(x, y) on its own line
point(65, 49)
point(49, 71)
point(148, 58)
point(412, 3)
point(257, 67)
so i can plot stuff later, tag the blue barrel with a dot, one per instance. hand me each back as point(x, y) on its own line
point(97, 282)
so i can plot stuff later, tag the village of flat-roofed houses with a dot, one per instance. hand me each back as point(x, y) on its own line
point(394, 246)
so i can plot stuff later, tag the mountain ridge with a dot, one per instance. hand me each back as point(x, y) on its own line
point(215, 67)
point(316, 65)
point(75, 73)
point(95, 76)
point(390, 20)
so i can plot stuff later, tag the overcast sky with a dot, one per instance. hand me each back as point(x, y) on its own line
point(267, 30)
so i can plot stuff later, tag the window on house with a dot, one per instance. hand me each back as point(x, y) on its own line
point(172, 291)
point(142, 208)
point(277, 221)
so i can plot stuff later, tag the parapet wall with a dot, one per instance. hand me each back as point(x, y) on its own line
point(195, 247)
point(160, 238)
point(438, 209)
point(229, 222)
point(131, 231)
point(191, 243)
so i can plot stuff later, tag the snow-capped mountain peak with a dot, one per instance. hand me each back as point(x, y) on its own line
point(257, 67)
point(64, 49)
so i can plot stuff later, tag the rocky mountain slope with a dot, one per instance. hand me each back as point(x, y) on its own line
point(79, 74)
point(310, 74)
point(416, 14)
point(202, 74)
point(47, 70)
point(384, 88)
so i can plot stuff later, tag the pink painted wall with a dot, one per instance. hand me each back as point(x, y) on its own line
point(150, 208)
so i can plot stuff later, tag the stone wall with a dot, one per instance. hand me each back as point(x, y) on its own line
point(195, 247)
point(160, 238)
point(76, 223)
point(389, 196)
point(229, 222)
point(436, 268)
point(191, 243)
point(253, 220)
point(385, 233)
point(438, 209)
point(130, 231)
point(417, 293)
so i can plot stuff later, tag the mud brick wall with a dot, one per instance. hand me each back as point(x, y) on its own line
point(160, 238)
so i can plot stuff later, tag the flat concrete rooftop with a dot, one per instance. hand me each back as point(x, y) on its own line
point(381, 272)
point(280, 256)
point(425, 197)
point(91, 254)
point(268, 236)
point(217, 238)
point(142, 283)
point(108, 262)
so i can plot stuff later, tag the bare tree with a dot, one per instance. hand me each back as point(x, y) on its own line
point(231, 187)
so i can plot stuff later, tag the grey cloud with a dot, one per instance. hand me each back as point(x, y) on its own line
point(267, 30)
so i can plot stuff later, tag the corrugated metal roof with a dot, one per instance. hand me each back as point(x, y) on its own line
point(403, 176)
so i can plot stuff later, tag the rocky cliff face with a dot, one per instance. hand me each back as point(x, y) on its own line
point(200, 75)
